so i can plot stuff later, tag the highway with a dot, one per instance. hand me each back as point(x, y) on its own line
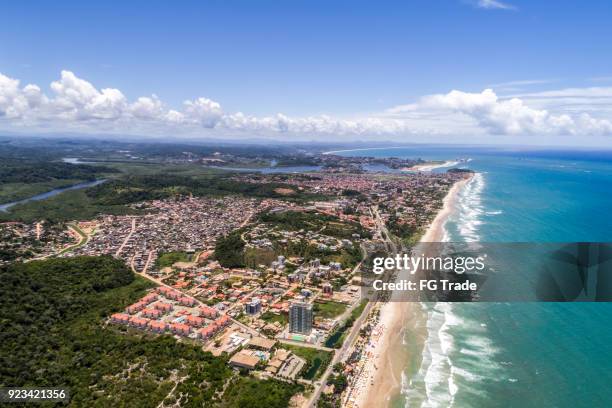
point(342, 354)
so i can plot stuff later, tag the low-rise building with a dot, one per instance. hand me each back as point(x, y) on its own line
point(261, 343)
point(120, 318)
point(244, 360)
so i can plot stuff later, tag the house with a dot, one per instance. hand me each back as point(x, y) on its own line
point(162, 290)
point(195, 321)
point(186, 301)
point(222, 321)
point(244, 360)
point(152, 313)
point(261, 343)
point(207, 331)
point(163, 306)
point(151, 297)
point(139, 322)
point(120, 318)
point(157, 327)
point(136, 307)
point(208, 312)
point(180, 329)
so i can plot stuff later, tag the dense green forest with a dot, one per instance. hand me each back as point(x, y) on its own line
point(68, 206)
point(22, 171)
point(229, 250)
point(23, 178)
point(53, 333)
point(133, 189)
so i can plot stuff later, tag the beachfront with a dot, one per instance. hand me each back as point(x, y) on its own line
point(378, 378)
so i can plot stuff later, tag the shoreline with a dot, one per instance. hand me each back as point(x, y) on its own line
point(390, 355)
point(362, 149)
point(429, 166)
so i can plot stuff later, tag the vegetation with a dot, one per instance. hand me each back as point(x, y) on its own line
point(336, 339)
point(132, 189)
point(400, 229)
point(348, 256)
point(339, 382)
point(253, 257)
point(247, 392)
point(53, 333)
point(316, 360)
point(25, 171)
point(314, 221)
point(329, 309)
point(67, 206)
point(161, 182)
point(169, 258)
point(21, 179)
point(228, 250)
point(270, 317)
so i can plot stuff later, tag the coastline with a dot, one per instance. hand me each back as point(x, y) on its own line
point(389, 354)
point(362, 149)
point(430, 166)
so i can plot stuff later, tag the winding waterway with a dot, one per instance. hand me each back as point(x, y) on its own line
point(51, 193)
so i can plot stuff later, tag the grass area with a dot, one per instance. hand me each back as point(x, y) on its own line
point(359, 309)
point(169, 258)
point(270, 317)
point(316, 360)
point(336, 339)
point(329, 309)
point(81, 242)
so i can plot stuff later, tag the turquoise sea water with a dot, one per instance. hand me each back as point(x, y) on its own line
point(519, 354)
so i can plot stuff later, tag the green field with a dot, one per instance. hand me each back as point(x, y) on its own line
point(169, 258)
point(270, 317)
point(336, 339)
point(329, 309)
point(316, 360)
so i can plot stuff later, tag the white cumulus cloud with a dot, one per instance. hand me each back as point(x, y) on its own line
point(512, 116)
point(74, 103)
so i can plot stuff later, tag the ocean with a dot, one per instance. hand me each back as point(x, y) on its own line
point(517, 354)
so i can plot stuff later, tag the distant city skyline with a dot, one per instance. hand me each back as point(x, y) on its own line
point(453, 71)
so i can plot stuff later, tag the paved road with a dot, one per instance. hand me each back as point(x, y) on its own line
point(340, 356)
point(125, 241)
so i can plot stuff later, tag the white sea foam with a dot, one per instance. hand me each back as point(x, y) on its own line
point(438, 373)
point(470, 209)
point(436, 370)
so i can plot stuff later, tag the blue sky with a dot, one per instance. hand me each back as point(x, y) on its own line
point(347, 60)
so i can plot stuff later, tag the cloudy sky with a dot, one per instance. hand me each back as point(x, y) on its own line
point(481, 71)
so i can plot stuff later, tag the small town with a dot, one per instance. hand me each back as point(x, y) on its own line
point(274, 284)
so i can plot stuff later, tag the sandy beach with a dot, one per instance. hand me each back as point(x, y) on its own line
point(389, 356)
point(431, 166)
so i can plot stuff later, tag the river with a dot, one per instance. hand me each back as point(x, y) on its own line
point(51, 193)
